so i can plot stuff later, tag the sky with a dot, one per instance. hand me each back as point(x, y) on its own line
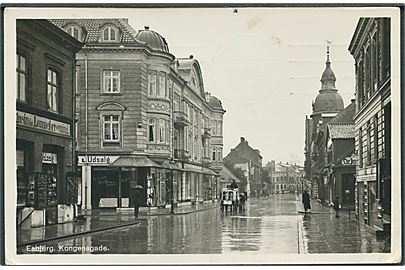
point(264, 64)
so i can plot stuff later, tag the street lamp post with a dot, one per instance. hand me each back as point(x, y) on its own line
point(172, 186)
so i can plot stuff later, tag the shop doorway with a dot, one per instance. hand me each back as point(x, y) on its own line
point(348, 190)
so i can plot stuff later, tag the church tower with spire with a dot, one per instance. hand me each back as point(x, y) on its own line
point(328, 103)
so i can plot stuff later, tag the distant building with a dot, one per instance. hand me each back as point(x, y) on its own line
point(144, 118)
point(327, 105)
point(45, 74)
point(340, 164)
point(287, 178)
point(370, 47)
point(250, 161)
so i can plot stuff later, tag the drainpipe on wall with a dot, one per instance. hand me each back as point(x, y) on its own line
point(85, 199)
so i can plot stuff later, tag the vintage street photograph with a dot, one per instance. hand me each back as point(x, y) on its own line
point(237, 133)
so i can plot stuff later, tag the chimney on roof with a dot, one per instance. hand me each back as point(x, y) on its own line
point(353, 100)
point(191, 56)
point(242, 139)
point(146, 27)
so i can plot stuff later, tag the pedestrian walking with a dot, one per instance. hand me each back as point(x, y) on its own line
point(306, 201)
point(336, 206)
point(138, 195)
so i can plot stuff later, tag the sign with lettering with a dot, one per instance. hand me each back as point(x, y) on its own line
point(96, 160)
point(41, 123)
point(49, 158)
point(349, 160)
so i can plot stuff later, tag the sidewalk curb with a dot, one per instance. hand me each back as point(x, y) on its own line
point(77, 234)
point(301, 246)
point(147, 214)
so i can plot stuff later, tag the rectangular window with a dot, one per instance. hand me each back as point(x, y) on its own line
point(152, 128)
point(161, 124)
point(360, 147)
point(162, 87)
point(167, 131)
point(152, 85)
point(21, 78)
point(111, 81)
point(214, 153)
point(53, 90)
point(111, 128)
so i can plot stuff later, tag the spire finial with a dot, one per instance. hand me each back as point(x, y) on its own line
point(328, 42)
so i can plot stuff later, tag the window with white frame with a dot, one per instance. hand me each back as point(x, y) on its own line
point(74, 31)
point(21, 78)
point(110, 34)
point(111, 128)
point(219, 154)
point(152, 129)
point(161, 91)
point(53, 89)
point(152, 84)
point(162, 133)
point(111, 81)
point(167, 127)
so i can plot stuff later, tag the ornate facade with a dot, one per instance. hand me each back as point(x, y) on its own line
point(144, 118)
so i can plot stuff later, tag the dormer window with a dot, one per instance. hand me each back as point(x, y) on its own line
point(110, 34)
point(74, 31)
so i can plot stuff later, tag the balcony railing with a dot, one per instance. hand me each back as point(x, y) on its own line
point(181, 154)
point(180, 119)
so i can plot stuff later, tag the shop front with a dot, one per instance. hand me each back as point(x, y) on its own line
point(43, 167)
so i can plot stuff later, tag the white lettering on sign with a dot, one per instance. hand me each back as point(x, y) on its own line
point(96, 160)
point(41, 123)
point(49, 158)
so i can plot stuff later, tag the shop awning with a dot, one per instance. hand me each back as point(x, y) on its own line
point(134, 162)
point(199, 169)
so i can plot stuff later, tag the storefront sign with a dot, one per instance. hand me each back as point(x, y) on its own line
point(41, 123)
point(49, 158)
point(97, 160)
point(349, 160)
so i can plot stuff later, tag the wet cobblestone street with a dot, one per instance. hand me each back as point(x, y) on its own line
point(267, 226)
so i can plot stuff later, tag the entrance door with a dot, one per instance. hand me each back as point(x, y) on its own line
point(348, 190)
point(104, 189)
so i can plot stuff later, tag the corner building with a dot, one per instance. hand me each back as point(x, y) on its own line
point(144, 118)
point(370, 47)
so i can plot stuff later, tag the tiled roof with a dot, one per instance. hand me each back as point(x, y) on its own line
point(92, 30)
point(341, 131)
point(345, 116)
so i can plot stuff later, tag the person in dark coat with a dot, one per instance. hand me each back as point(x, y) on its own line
point(306, 201)
point(336, 206)
point(233, 184)
point(138, 195)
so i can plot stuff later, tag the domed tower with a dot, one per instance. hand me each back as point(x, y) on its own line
point(328, 102)
point(153, 39)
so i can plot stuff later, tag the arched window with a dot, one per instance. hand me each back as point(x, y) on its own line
point(109, 33)
point(74, 31)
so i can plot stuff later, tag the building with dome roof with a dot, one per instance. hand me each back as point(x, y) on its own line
point(328, 103)
point(143, 118)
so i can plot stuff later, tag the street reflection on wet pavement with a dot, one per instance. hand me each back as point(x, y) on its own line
point(267, 226)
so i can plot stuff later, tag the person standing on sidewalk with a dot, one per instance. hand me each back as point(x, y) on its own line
point(336, 206)
point(306, 201)
point(138, 195)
